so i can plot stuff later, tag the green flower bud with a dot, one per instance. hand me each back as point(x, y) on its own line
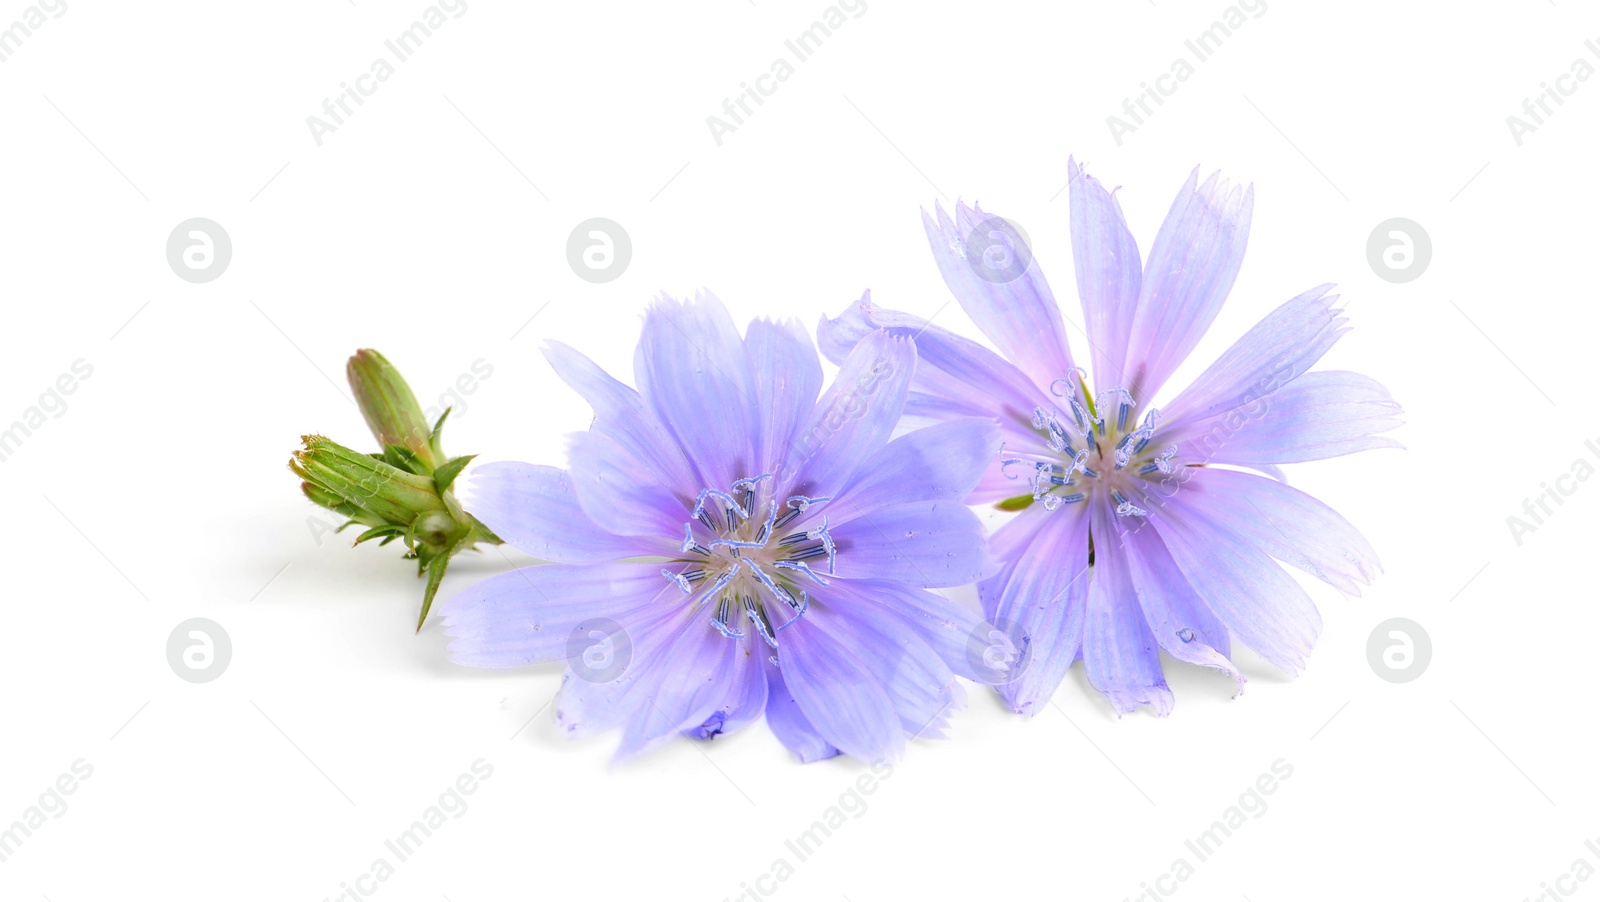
point(404, 492)
point(390, 408)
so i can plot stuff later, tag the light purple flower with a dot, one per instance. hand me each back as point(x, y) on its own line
point(1141, 530)
point(727, 544)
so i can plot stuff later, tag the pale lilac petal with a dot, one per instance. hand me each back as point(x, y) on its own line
point(621, 415)
point(1261, 605)
point(1322, 414)
point(1106, 260)
point(931, 544)
point(945, 626)
point(620, 494)
point(855, 416)
point(1282, 521)
point(591, 703)
point(837, 692)
point(1192, 265)
point(694, 373)
point(1120, 654)
point(787, 380)
point(1039, 598)
point(920, 685)
point(533, 508)
point(935, 463)
point(789, 724)
point(1277, 350)
point(1015, 537)
point(1182, 624)
point(745, 704)
point(526, 616)
point(955, 375)
point(696, 676)
point(1020, 315)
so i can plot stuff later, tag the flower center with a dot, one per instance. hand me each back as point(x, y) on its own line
point(1090, 447)
point(749, 556)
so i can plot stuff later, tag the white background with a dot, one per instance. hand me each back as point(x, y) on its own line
point(161, 493)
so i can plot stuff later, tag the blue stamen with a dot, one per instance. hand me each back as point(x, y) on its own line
point(750, 482)
point(759, 618)
point(1123, 453)
point(803, 567)
point(1126, 508)
point(821, 532)
point(689, 543)
point(680, 579)
point(721, 620)
point(766, 580)
point(1080, 463)
point(1164, 461)
point(733, 505)
point(716, 587)
point(801, 502)
point(800, 611)
point(1007, 462)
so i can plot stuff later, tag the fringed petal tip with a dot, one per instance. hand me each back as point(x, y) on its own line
point(1128, 700)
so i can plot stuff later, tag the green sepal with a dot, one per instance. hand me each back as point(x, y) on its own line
point(445, 475)
point(483, 533)
point(390, 532)
point(436, 570)
point(404, 459)
point(438, 427)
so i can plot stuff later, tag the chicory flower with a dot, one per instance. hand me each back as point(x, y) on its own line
point(1141, 530)
point(725, 544)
